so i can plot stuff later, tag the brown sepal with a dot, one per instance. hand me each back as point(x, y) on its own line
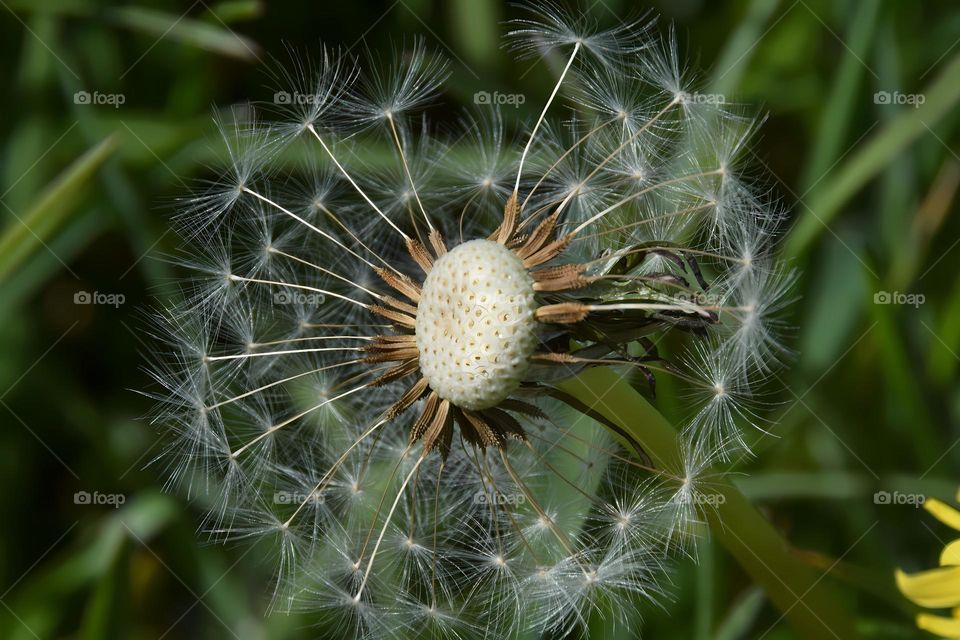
point(562, 313)
point(409, 396)
point(395, 373)
point(436, 241)
point(420, 254)
point(400, 283)
point(511, 212)
point(397, 317)
point(548, 252)
point(539, 237)
point(563, 277)
point(504, 423)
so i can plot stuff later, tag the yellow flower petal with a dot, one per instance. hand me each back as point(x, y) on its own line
point(937, 588)
point(943, 627)
point(950, 554)
point(943, 512)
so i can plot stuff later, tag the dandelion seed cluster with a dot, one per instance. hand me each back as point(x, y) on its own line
point(476, 328)
point(363, 367)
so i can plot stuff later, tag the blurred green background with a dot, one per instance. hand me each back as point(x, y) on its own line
point(88, 181)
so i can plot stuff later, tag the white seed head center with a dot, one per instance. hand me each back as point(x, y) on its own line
point(476, 327)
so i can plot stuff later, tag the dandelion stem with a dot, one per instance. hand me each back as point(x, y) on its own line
point(325, 292)
point(312, 227)
point(279, 382)
point(240, 356)
point(293, 419)
point(354, 184)
point(794, 587)
point(557, 532)
point(406, 168)
point(321, 485)
point(566, 153)
point(327, 271)
point(543, 114)
point(436, 530)
point(634, 196)
point(383, 530)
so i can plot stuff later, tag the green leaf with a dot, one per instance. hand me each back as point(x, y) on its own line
point(231, 11)
point(106, 610)
point(211, 37)
point(835, 305)
point(741, 616)
point(811, 485)
point(475, 27)
point(945, 341)
point(53, 7)
point(838, 485)
point(733, 60)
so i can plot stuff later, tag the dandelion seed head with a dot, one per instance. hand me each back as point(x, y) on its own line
point(475, 324)
point(364, 366)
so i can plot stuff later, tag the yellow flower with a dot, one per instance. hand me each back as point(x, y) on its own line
point(938, 588)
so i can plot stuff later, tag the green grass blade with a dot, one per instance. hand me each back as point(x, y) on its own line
point(741, 616)
point(733, 60)
point(58, 201)
point(475, 23)
point(805, 599)
point(835, 304)
point(210, 37)
point(832, 134)
point(872, 157)
point(231, 11)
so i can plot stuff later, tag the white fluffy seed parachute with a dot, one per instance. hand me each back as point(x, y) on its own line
point(362, 366)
